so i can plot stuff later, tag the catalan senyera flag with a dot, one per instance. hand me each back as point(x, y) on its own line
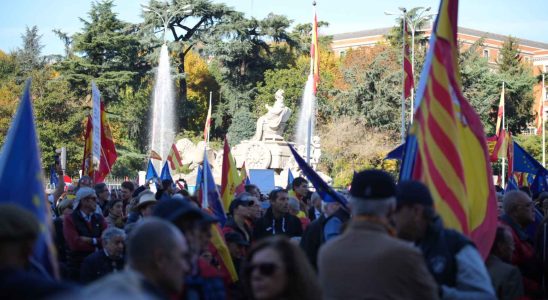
point(155, 155)
point(229, 177)
point(174, 158)
point(500, 113)
point(446, 147)
point(207, 126)
point(315, 55)
point(407, 68)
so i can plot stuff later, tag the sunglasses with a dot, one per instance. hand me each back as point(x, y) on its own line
point(265, 269)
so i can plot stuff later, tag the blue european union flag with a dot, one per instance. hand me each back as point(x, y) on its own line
point(524, 162)
point(539, 184)
point(290, 178)
point(322, 188)
point(21, 179)
point(408, 158)
point(396, 153)
point(211, 194)
point(511, 185)
point(151, 172)
point(166, 175)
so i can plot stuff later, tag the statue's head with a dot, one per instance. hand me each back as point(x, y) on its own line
point(279, 95)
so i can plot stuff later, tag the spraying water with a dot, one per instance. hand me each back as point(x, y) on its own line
point(308, 108)
point(163, 109)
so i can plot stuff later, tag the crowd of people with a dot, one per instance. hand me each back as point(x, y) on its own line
point(385, 242)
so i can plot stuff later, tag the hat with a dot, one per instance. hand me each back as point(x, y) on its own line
point(372, 185)
point(174, 208)
point(413, 192)
point(82, 193)
point(242, 199)
point(145, 198)
point(236, 237)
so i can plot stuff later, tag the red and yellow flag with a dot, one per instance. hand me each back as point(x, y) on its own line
point(540, 114)
point(207, 126)
point(500, 113)
point(155, 155)
point(229, 177)
point(87, 165)
point(315, 55)
point(174, 158)
point(451, 157)
point(108, 150)
point(407, 68)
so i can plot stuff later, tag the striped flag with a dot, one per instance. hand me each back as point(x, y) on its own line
point(207, 127)
point(315, 55)
point(500, 113)
point(108, 150)
point(229, 177)
point(409, 82)
point(446, 148)
point(540, 113)
point(155, 155)
point(174, 158)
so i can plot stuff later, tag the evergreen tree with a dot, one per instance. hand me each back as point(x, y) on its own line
point(29, 56)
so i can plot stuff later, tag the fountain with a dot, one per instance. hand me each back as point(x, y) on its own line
point(163, 109)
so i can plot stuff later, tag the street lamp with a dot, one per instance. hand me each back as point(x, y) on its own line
point(167, 15)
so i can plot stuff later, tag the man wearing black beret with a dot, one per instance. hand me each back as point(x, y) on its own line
point(452, 259)
point(367, 261)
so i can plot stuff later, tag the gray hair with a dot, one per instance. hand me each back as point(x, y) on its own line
point(376, 207)
point(315, 196)
point(111, 233)
point(293, 203)
point(510, 198)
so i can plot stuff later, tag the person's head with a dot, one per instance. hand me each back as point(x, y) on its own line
point(116, 208)
point(156, 249)
point(294, 206)
point(236, 244)
point(276, 268)
point(127, 190)
point(316, 201)
point(518, 206)
point(254, 190)
point(167, 186)
point(242, 206)
point(503, 246)
point(85, 181)
point(300, 186)
point(279, 201)
point(500, 210)
point(86, 200)
point(415, 210)
point(19, 230)
point(102, 192)
point(64, 207)
point(194, 223)
point(113, 241)
point(372, 193)
point(146, 203)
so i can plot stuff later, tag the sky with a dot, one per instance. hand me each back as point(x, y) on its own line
point(526, 19)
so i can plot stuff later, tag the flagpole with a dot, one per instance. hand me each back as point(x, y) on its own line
point(503, 127)
point(543, 97)
point(403, 79)
point(209, 128)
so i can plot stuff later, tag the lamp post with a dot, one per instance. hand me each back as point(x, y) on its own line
point(166, 15)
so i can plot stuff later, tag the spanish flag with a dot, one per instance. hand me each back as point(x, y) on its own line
point(315, 55)
point(446, 146)
point(230, 178)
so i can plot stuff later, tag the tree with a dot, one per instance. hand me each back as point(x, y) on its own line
point(417, 17)
point(29, 56)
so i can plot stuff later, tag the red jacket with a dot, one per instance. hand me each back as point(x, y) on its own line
point(74, 226)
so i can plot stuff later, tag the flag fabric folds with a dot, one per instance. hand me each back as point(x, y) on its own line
point(446, 146)
point(87, 162)
point(155, 155)
point(407, 67)
point(165, 175)
point(396, 153)
point(53, 178)
point(525, 162)
point(539, 121)
point(229, 177)
point(108, 150)
point(207, 126)
point(290, 179)
point(151, 172)
point(174, 158)
point(500, 113)
point(315, 55)
point(21, 179)
point(327, 193)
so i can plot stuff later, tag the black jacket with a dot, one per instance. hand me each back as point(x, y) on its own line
point(98, 265)
point(268, 226)
point(313, 239)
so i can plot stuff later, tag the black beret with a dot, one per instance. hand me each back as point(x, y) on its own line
point(413, 192)
point(373, 184)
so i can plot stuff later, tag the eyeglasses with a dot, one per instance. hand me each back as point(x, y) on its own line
point(250, 203)
point(266, 269)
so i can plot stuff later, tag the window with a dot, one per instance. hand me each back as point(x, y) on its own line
point(486, 53)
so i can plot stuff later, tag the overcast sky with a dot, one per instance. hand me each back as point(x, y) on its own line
point(527, 19)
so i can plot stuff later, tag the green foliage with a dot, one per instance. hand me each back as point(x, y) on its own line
point(28, 57)
point(242, 127)
point(7, 65)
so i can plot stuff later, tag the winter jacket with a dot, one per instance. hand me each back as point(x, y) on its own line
point(269, 226)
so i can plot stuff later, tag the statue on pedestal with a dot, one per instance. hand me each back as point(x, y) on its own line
point(271, 125)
